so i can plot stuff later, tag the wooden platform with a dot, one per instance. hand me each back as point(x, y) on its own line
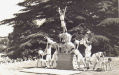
point(64, 61)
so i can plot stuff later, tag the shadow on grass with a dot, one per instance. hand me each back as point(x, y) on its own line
point(32, 67)
point(29, 67)
point(38, 73)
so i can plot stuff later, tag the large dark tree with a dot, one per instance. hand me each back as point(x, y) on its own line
point(81, 15)
point(3, 44)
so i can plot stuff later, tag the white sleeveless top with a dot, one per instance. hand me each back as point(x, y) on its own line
point(62, 17)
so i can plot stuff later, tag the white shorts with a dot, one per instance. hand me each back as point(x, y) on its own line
point(48, 57)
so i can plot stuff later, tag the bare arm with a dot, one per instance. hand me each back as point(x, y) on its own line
point(65, 10)
point(62, 12)
point(59, 10)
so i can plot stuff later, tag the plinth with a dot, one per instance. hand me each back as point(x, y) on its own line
point(64, 61)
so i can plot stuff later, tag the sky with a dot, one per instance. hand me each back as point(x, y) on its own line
point(7, 9)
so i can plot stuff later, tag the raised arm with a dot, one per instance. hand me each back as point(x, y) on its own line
point(59, 10)
point(65, 10)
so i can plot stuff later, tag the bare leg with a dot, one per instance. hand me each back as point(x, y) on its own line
point(54, 64)
point(103, 66)
point(64, 29)
point(47, 61)
point(37, 62)
point(87, 62)
point(106, 66)
point(48, 64)
point(84, 65)
point(110, 67)
point(94, 66)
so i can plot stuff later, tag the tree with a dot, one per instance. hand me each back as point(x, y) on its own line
point(81, 14)
point(3, 44)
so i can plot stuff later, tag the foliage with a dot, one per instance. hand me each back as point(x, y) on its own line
point(80, 16)
point(3, 44)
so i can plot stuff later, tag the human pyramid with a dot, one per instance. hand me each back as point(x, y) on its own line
point(68, 47)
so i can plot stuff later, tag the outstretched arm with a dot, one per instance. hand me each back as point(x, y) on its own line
point(65, 10)
point(59, 10)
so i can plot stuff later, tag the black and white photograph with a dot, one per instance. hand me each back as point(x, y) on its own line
point(59, 37)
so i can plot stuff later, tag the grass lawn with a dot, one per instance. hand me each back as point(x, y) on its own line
point(30, 68)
